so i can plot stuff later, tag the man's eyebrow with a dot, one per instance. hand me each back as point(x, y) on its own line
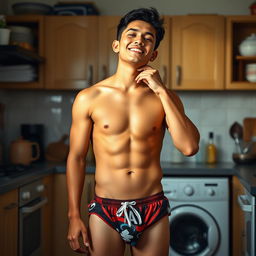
point(136, 30)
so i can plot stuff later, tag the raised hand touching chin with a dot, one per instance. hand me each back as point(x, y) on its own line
point(151, 78)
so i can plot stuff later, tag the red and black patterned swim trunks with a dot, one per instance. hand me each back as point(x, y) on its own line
point(130, 217)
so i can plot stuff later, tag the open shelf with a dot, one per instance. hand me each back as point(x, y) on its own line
point(13, 54)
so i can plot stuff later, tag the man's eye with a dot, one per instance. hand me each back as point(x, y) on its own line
point(131, 35)
point(149, 39)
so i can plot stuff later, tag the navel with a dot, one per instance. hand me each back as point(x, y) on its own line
point(129, 172)
point(106, 126)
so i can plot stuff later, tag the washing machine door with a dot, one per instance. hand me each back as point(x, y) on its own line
point(193, 231)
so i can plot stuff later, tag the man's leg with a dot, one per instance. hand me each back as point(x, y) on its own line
point(154, 241)
point(104, 239)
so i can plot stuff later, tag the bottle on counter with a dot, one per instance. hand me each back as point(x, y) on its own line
point(211, 150)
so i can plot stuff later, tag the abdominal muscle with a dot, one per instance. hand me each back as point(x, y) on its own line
point(127, 168)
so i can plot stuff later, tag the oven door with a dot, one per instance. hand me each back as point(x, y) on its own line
point(247, 204)
point(30, 228)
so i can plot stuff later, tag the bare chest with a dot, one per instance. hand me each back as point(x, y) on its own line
point(139, 114)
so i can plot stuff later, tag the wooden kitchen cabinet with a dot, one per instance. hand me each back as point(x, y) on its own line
point(60, 218)
point(71, 48)
point(237, 29)
point(197, 53)
point(47, 216)
point(36, 23)
point(238, 229)
point(107, 34)
point(9, 223)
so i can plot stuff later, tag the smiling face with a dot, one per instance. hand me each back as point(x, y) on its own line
point(137, 43)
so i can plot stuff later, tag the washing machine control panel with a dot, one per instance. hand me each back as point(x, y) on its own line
point(194, 188)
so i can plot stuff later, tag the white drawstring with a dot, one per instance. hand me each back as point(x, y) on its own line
point(123, 209)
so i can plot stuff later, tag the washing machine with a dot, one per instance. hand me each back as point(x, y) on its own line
point(199, 220)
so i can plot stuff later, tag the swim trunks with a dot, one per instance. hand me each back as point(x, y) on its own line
point(130, 217)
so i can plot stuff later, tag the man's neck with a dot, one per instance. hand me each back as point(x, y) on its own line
point(125, 76)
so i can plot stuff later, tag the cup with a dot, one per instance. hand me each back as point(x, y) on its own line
point(251, 72)
point(4, 36)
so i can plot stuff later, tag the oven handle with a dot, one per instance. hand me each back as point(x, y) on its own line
point(34, 207)
point(244, 204)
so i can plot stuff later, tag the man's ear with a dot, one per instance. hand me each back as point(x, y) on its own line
point(115, 46)
point(154, 55)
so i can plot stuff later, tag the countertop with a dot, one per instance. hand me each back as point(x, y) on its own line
point(245, 173)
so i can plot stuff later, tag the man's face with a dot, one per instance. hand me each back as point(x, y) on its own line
point(137, 43)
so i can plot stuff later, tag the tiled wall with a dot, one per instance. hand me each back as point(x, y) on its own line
point(210, 111)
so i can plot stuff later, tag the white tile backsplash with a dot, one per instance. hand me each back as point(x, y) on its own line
point(210, 111)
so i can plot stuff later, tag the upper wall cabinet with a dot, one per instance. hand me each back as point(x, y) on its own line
point(162, 61)
point(71, 47)
point(198, 52)
point(238, 29)
point(107, 57)
point(22, 62)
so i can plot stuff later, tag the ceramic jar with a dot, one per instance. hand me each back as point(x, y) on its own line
point(248, 46)
point(21, 151)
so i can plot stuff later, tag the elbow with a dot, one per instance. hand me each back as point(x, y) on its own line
point(191, 150)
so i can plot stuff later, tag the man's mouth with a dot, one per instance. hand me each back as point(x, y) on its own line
point(136, 50)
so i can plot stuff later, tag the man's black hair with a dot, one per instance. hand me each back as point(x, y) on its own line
point(149, 15)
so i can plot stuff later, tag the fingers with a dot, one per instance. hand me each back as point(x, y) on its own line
point(85, 238)
point(75, 244)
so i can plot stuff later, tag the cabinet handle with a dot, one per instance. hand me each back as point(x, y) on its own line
point(178, 75)
point(244, 203)
point(90, 75)
point(164, 75)
point(104, 72)
point(10, 206)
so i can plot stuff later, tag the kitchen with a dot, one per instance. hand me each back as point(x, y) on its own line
point(211, 110)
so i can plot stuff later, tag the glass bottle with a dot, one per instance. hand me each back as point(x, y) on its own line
point(211, 151)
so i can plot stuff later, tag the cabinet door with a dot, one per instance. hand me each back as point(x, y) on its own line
point(238, 233)
point(9, 223)
point(198, 52)
point(60, 219)
point(107, 34)
point(161, 63)
point(47, 216)
point(71, 52)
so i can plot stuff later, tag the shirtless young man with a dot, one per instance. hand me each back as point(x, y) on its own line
point(126, 116)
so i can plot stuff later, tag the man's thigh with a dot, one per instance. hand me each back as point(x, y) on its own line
point(154, 241)
point(104, 239)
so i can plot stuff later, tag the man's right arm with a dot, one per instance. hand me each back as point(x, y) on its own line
point(80, 134)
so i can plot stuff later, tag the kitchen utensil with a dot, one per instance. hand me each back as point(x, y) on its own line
point(244, 158)
point(57, 151)
point(21, 151)
point(236, 132)
point(250, 72)
point(248, 46)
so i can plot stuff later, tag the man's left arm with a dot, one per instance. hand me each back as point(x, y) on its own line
point(184, 133)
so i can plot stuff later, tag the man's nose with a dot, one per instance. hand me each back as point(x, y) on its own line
point(139, 40)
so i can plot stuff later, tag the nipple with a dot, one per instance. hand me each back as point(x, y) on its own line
point(154, 128)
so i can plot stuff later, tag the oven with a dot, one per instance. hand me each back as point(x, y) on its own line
point(31, 202)
point(247, 204)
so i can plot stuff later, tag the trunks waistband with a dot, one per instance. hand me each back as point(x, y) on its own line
point(149, 199)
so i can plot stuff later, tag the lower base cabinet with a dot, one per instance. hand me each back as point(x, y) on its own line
point(9, 223)
point(60, 195)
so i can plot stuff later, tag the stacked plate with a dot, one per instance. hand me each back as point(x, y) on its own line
point(18, 73)
point(20, 34)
